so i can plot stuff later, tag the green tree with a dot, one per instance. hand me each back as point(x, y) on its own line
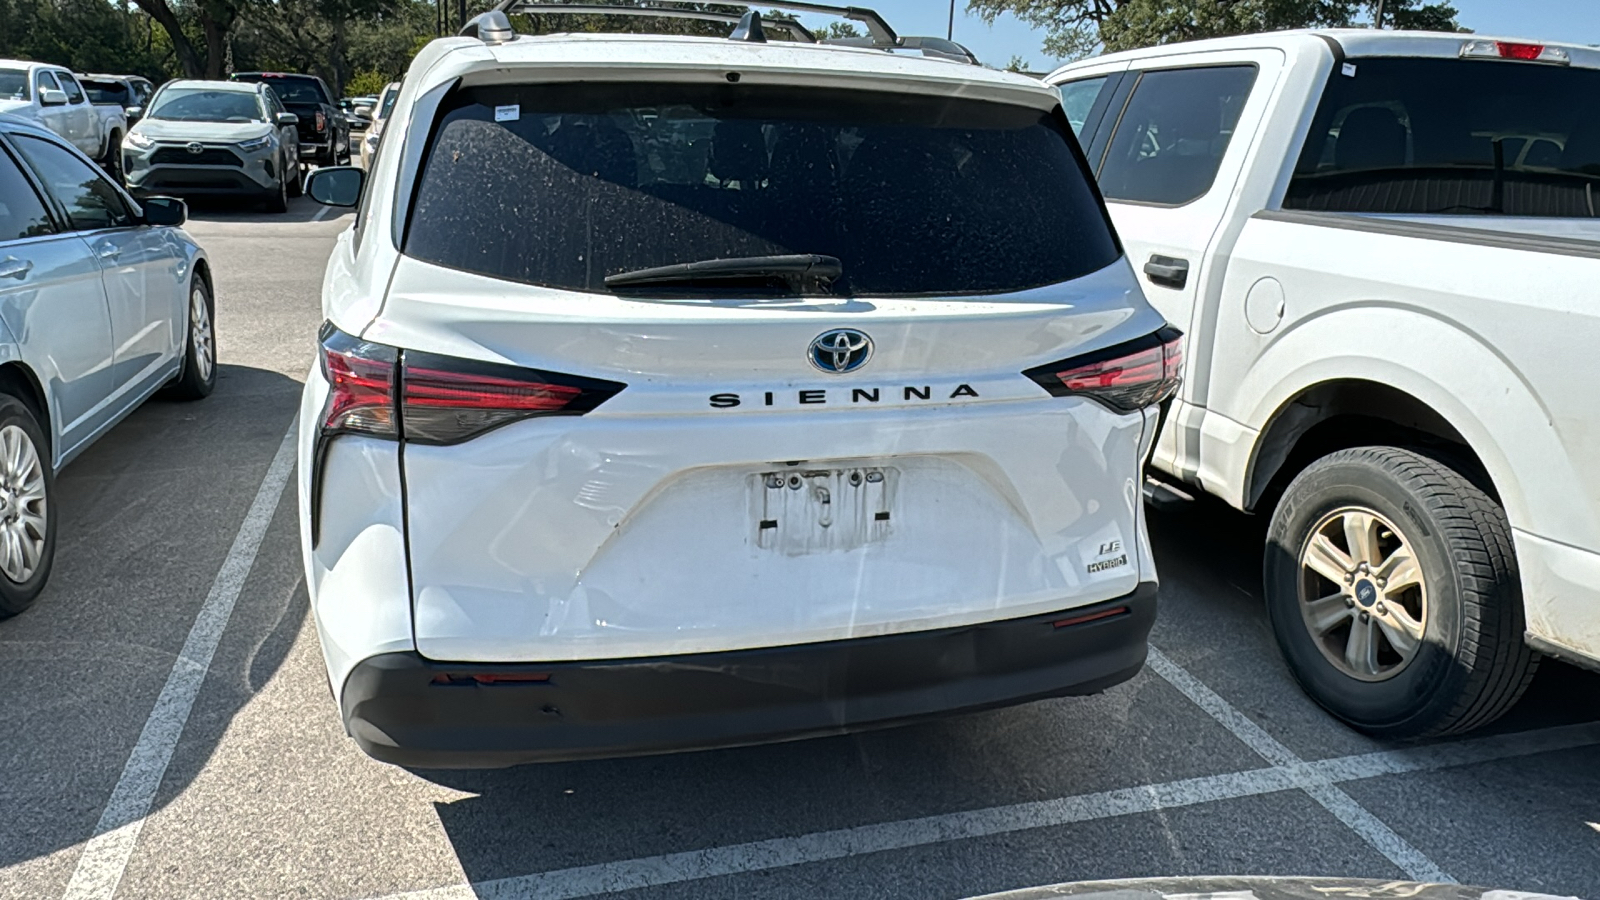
point(1078, 28)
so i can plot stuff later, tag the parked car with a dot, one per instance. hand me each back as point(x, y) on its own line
point(324, 130)
point(380, 114)
point(215, 137)
point(359, 111)
point(103, 302)
point(130, 92)
point(762, 444)
point(113, 123)
point(51, 96)
point(1383, 246)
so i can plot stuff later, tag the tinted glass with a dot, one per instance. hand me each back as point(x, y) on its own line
point(387, 104)
point(13, 84)
point(1077, 98)
point(47, 82)
point(90, 200)
point(1455, 137)
point(107, 92)
point(205, 105)
point(74, 93)
point(290, 89)
point(22, 213)
point(1173, 134)
point(914, 194)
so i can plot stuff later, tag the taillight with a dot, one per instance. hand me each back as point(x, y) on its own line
point(1512, 50)
point(445, 400)
point(1127, 377)
point(377, 390)
point(322, 121)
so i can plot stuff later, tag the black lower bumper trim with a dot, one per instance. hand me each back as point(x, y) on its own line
point(411, 711)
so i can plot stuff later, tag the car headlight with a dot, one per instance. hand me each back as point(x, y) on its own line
point(137, 141)
point(260, 143)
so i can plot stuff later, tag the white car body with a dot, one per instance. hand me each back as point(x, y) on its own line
point(1481, 327)
point(76, 119)
point(632, 535)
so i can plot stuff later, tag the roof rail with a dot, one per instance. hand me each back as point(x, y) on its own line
point(880, 36)
point(557, 7)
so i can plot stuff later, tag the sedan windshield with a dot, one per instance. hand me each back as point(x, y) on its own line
point(13, 84)
point(203, 105)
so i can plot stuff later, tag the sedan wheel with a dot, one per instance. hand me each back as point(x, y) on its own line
point(23, 514)
point(199, 373)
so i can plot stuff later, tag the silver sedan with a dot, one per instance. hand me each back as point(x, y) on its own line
point(103, 302)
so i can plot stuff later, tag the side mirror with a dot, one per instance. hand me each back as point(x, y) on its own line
point(134, 113)
point(52, 97)
point(364, 112)
point(336, 185)
point(165, 211)
point(286, 118)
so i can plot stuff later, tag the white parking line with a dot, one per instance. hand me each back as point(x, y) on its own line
point(1369, 827)
point(106, 856)
point(322, 214)
point(756, 856)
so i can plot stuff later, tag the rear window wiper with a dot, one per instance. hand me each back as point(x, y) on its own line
point(804, 268)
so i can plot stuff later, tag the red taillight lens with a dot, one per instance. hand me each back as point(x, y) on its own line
point(1518, 51)
point(445, 400)
point(1482, 49)
point(322, 122)
point(1126, 377)
point(360, 379)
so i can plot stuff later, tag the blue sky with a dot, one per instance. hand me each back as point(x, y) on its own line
point(1565, 20)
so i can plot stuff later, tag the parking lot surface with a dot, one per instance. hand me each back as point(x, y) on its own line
point(166, 728)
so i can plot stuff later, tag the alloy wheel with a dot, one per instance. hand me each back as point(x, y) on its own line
point(200, 336)
point(1362, 594)
point(22, 505)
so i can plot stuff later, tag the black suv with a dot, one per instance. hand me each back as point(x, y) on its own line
point(324, 130)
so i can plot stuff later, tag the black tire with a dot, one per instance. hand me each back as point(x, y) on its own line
point(112, 162)
point(17, 596)
point(291, 170)
point(278, 200)
point(199, 375)
point(1472, 664)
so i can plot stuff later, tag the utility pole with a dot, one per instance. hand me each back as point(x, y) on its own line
point(950, 30)
point(461, 17)
point(1377, 17)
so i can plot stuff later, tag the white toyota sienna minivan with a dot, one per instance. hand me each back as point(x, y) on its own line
point(680, 392)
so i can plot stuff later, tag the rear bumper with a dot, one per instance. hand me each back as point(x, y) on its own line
point(397, 712)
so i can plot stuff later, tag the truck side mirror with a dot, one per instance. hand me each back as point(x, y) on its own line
point(52, 97)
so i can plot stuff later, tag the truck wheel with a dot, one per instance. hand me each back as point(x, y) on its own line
point(1393, 592)
point(27, 508)
point(112, 162)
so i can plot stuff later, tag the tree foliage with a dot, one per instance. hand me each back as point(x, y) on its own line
point(1078, 28)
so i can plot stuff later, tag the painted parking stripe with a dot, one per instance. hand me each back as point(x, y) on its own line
point(756, 856)
point(104, 859)
point(322, 214)
point(1342, 806)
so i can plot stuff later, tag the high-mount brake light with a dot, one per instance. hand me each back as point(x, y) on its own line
point(1127, 377)
point(1480, 49)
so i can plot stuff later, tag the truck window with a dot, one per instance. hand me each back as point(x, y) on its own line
point(68, 84)
point(1077, 99)
point(1453, 137)
point(1173, 133)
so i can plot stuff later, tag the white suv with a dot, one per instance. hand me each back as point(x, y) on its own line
point(687, 391)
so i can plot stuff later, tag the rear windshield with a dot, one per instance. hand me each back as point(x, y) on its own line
point(299, 89)
point(13, 84)
point(1453, 137)
point(562, 185)
point(105, 91)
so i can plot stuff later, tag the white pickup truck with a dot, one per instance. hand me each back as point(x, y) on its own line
point(52, 97)
point(1385, 251)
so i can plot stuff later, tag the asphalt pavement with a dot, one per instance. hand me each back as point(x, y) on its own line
point(166, 729)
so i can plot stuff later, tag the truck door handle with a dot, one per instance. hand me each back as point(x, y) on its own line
point(11, 267)
point(1167, 271)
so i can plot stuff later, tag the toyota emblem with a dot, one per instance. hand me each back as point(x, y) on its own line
point(194, 147)
point(840, 350)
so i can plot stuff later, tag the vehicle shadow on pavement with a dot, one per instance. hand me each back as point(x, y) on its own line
point(245, 210)
point(146, 517)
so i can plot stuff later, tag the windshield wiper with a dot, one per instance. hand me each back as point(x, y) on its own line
point(801, 267)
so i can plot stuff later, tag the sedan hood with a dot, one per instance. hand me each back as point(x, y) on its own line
point(172, 130)
point(1261, 889)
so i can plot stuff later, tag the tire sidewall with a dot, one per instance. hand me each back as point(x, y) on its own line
point(14, 596)
point(195, 385)
point(1416, 691)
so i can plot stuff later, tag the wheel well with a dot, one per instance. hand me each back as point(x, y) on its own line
point(204, 272)
point(19, 381)
point(1337, 415)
